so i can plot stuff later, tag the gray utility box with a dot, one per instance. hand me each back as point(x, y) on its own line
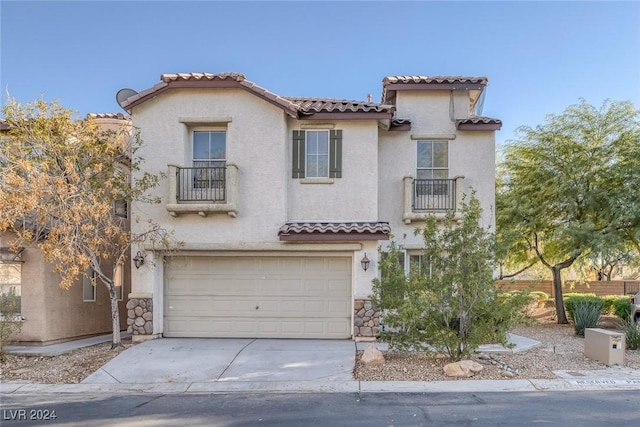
point(604, 345)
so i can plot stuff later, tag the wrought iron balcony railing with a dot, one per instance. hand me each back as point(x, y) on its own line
point(201, 184)
point(434, 195)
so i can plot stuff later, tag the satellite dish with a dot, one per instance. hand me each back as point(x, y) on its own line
point(123, 95)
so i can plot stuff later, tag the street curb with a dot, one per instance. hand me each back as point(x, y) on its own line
point(453, 386)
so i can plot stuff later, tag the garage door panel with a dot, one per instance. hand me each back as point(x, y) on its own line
point(295, 297)
point(242, 328)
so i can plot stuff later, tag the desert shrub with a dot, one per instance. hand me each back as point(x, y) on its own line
point(453, 306)
point(632, 334)
point(550, 303)
point(541, 298)
point(586, 314)
point(571, 299)
point(622, 307)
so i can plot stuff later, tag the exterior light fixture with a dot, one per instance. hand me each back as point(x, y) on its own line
point(365, 262)
point(138, 260)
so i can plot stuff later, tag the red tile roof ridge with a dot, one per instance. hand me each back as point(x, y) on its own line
point(434, 79)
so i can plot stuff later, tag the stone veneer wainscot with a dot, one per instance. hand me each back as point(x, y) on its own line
point(366, 319)
point(140, 315)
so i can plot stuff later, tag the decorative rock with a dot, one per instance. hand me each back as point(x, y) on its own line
point(130, 321)
point(358, 304)
point(131, 314)
point(132, 303)
point(368, 305)
point(142, 303)
point(147, 316)
point(471, 365)
point(366, 331)
point(149, 305)
point(507, 374)
point(139, 321)
point(138, 311)
point(456, 370)
point(372, 356)
point(148, 328)
point(358, 321)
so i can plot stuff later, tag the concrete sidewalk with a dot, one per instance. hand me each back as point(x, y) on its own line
point(284, 366)
point(61, 348)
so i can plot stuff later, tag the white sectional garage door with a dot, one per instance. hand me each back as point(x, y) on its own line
point(258, 297)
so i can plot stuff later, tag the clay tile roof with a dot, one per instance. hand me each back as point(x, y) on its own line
point(211, 80)
point(201, 76)
point(327, 105)
point(391, 84)
point(119, 116)
point(434, 79)
point(479, 123)
point(333, 230)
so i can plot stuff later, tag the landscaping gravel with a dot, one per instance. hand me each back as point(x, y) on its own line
point(561, 349)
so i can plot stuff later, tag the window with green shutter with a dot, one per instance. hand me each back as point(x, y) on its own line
point(317, 154)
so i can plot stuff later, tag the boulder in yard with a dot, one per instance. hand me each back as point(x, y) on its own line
point(460, 369)
point(372, 356)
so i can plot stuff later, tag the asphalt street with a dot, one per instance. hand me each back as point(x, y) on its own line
point(575, 408)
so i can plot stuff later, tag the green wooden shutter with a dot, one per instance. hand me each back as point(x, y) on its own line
point(335, 154)
point(298, 154)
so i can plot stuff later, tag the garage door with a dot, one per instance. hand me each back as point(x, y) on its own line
point(258, 297)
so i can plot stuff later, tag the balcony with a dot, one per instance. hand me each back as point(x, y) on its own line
point(423, 197)
point(203, 190)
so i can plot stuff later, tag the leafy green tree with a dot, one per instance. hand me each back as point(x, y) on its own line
point(60, 179)
point(450, 304)
point(570, 189)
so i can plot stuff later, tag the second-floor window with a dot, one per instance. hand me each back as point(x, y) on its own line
point(209, 148)
point(317, 154)
point(433, 160)
point(432, 169)
point(209, 158)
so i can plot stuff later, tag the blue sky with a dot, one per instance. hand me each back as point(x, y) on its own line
point(539, 57)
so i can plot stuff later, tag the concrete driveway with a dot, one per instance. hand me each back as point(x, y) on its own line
point(190, 360)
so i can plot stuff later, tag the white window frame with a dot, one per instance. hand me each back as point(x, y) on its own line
point(410, 258)
point(12, 286)
point(431, 168)
point(306, 153)
point(210, 160)
point(89, 281)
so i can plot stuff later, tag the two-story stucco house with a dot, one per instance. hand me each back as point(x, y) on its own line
point(281, 203)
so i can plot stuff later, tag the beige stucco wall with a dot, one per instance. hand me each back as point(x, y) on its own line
point(471, 154)
point(255, 143)
point(354, 196)
point(259, 142)
point(54, 314)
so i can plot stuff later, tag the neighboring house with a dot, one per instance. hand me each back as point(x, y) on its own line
point(280, 202)
point(49, 313)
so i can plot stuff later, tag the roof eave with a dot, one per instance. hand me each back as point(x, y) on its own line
point(332, 237)
point(478, 126)
point(347, 115)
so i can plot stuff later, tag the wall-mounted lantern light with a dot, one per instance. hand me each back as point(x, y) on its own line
point(138, 260)
point(365, 262)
